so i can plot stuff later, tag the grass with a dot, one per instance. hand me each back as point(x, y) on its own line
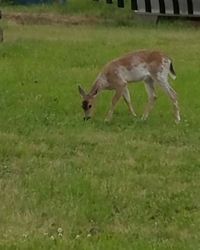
point(124, 185)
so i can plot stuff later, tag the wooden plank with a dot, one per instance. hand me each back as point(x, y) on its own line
point(155, 6)
point(141, 6)
point(169, 9)
point(196, 7)
point(183, 7)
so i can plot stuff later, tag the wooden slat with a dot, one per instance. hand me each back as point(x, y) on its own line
point(155, 6)
point(196, 7)
point(169, 7)
point(141, 6)
point(183, 7)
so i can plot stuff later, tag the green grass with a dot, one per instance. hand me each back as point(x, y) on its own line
point(124, 185)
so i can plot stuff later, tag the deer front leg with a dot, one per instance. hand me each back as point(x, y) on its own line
point(115, 99)
point(127, 100)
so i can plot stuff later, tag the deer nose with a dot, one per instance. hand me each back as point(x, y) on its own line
point(86, 118)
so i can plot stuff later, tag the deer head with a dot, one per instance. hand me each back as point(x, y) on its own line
point(88, 102)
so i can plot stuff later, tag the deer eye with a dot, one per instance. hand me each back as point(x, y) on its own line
point(84, 105)
point(89, 106)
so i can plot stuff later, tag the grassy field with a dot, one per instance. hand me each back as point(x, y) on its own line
point(69, 184)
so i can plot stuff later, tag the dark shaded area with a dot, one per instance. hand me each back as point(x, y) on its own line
point(109, 1)
point(176, 7)
point(148, 5)
point(190, 7)
point(134, 5)
point(162, 6)
point(120, 3)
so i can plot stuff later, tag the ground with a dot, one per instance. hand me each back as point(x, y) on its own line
point(47, 18)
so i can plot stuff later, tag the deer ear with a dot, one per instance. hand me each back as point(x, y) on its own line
point(95, 92)
point(81, 91)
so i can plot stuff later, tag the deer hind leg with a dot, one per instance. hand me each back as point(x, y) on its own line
point(127, 99)
point(149, 86)
point(115, 99)
point(173, 97)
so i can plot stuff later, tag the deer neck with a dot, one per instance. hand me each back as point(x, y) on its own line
point(96, 87)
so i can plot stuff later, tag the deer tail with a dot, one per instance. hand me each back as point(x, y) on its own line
point(172, 72)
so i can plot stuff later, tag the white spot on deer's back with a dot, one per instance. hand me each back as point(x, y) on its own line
point(136, 73)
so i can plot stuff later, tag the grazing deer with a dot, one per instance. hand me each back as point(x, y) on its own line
point(148, 66)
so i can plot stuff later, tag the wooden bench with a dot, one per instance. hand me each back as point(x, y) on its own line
point(190, 8)
point(156, 8)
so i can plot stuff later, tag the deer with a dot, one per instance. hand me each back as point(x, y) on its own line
point(151, 67)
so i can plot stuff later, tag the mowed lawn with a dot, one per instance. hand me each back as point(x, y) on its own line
point(70, 184)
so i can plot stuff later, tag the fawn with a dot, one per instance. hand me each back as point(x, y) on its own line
point(148, 66)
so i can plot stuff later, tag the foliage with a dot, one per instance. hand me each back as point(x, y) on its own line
point(6, 2)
